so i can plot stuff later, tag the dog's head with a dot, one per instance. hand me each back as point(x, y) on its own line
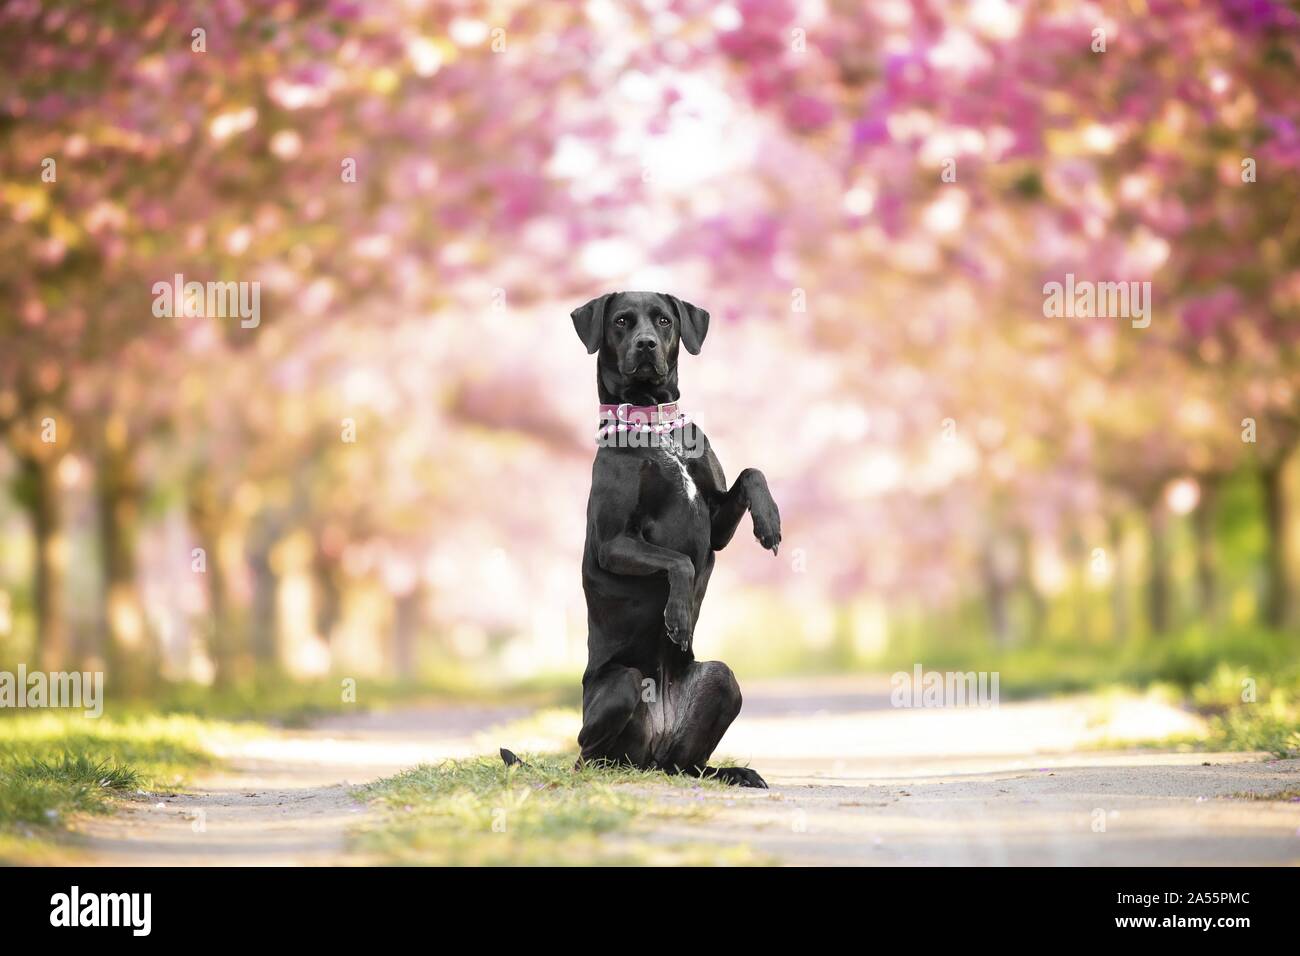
point(637, 335)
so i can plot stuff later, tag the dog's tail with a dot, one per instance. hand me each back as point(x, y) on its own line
point(509, 759)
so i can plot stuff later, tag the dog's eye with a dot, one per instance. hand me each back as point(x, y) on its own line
point(664, 321)
point(620, 321)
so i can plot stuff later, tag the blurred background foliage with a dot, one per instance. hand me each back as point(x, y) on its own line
point(963, 481)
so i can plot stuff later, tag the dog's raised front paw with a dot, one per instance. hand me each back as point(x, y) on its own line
point(767, 525)
point(677, 623)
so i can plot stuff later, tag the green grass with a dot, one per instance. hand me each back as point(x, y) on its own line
point(479, 812)
point(278, 700)
point(1289, 795)
point(54, 765)
point(1256, 727)
point(1241, 730)
point(1242, 713)
point(1214, 671)
point(1186, 660)
point(78, 769)
point(1250, 710)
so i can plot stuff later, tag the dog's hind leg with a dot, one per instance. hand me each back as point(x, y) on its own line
point(705, 700)
point(615, 724)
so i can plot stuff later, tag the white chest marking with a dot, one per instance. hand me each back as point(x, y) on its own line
point(688, 483)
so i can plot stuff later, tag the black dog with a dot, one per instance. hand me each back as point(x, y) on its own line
point(659, 508)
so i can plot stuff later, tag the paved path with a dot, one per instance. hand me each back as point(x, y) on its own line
point(854, 781)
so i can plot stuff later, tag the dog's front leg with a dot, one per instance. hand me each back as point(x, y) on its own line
point(748, 493)
point(628, 555)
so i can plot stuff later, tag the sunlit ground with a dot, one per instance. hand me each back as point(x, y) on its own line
point(852, 780)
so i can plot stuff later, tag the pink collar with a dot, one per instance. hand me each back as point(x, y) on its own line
point(655, 419)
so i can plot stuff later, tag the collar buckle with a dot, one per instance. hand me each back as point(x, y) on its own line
point(630, 414)
point(626, 413)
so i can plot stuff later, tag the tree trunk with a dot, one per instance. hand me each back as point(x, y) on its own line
point(221, 644)
point(406, 624)
point(1158, 572)
point(263, 623)
point(208, 521)
point(1278, 601)
point(1207, 558)
point(995, 596)
point(1118, 581)
point(1078, 555)
point(131, 662)
point(1029, 587)
point(329, 596)
point(39, 491)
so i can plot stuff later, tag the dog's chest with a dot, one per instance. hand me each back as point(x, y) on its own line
point(675, 465)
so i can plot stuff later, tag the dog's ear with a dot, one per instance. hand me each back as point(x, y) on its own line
point(589, 321)
point(694, 322)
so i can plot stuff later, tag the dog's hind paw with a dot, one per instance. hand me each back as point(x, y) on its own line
point(740, 777)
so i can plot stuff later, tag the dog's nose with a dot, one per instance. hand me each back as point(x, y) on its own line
point(646, 344)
